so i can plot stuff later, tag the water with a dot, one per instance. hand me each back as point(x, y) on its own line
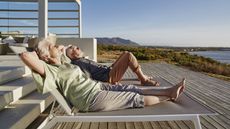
point(222, 56)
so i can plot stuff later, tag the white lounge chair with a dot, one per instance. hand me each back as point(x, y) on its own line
point(184, 109)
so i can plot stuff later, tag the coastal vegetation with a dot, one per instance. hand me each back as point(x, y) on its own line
point(178, 57)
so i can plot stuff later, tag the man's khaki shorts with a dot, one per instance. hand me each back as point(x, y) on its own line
point(115, 97)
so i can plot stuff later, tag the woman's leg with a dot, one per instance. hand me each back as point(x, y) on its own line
point(171, 92)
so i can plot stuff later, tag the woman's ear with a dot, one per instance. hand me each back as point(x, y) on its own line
point(45, 58)
point(51, 60)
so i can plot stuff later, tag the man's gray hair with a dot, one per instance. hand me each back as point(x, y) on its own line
point(42, 48)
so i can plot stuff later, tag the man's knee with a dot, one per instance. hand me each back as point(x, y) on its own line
point(125, 52)
point(128, 54)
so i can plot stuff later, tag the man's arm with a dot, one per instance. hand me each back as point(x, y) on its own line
point(32, 61)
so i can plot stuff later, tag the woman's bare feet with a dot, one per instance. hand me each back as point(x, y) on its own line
point(177, 90)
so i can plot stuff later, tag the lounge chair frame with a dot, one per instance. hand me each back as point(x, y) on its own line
point(52, 119)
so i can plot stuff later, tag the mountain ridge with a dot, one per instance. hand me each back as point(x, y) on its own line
point(116, 41)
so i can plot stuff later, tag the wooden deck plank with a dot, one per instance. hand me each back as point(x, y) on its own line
point(138, 125)
point(103, 125)
point(164, 125)
point(206, 123)
point(77, 125)
point(121, 125)
point(56, 126)
point(85, 125)
point(61, 125)
point(182, 125)
point(147, 125)
point(94, 125)
point(112, 125)
point(212, 122)
point(129, 125)
point(156, 125)
point(173, 125)
point(218, 124)
point(68, 125)
point(189, 124)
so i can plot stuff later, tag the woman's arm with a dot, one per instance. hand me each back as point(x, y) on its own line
point(32, 61)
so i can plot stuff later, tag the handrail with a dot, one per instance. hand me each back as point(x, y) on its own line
point(22, 10)
point(12, 18)
point(2, 26)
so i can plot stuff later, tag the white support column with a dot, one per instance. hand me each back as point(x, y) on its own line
point(43, 19)
point(80, 21)
point(80, 18)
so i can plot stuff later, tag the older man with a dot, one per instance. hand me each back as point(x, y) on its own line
point(113, 73)
point(84, 93)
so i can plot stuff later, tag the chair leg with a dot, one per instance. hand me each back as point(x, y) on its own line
point(196, 121)
point(49, 124)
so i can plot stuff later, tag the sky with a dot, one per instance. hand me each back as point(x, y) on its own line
point(159, 22)
point(147, 22)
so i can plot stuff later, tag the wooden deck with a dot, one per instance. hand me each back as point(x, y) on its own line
point(211, 92)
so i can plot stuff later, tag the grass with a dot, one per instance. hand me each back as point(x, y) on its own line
point(109, 53)
point(219, 76)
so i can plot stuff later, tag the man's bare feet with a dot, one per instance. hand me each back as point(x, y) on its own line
point(177, 90)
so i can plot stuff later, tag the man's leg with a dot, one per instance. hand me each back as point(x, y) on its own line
point(119, 67)
point(161, 95)
point(152, 100)
point(106, 100)
point(110, 98)
point(126, 60)
point(171, 92)
point(123, 53)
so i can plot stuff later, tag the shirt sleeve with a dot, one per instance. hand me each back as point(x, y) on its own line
point(65, 58)
point(47, 83)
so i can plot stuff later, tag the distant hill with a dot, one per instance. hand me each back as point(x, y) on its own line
point(116, 41)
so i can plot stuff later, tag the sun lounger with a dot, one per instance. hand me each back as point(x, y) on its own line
point(184, 109)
